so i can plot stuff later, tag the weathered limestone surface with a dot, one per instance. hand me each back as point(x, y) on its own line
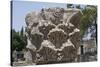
point(53, 34)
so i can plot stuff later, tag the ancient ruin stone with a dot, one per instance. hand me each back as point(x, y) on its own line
point(36, 40)
point(33, 53)
point(57, 38)
point(55, 34)
point(75, 39)
point(69, 53)
point(75, 20)
point(45, 29)
point(47, 54)
point(67, 29)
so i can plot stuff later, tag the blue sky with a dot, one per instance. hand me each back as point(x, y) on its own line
point(21, 8)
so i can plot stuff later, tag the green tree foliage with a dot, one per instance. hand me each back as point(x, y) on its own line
point(89, 15)
point(18, 40)
point(87, 19)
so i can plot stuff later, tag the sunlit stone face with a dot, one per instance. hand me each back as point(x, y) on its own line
point(55, 33)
